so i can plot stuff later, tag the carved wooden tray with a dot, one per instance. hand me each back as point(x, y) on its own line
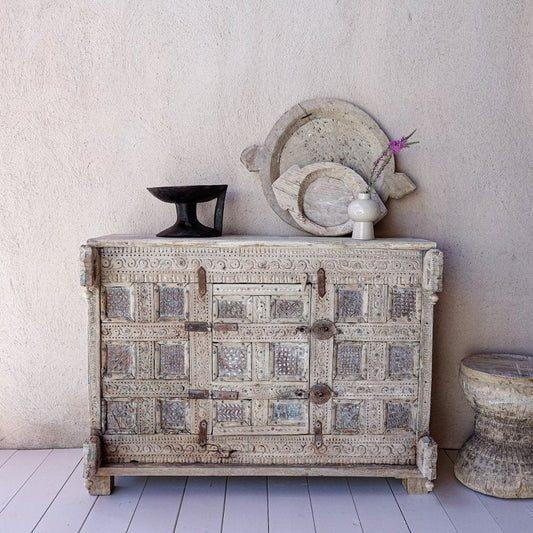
point(324, 129)
point(317, 197)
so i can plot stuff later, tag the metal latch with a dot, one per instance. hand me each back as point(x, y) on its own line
point(198, 327)
point(202, 433)
point(317, 428)
point(320, 393)
point(323, 329)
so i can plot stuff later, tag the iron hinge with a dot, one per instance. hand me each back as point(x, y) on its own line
point(317, 429)
point(202, 433)
point(202, 281)
point(321, 282)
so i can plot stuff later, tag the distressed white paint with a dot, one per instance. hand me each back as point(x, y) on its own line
point(100, 100)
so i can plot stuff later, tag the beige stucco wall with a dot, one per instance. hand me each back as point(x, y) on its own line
point(99, 100)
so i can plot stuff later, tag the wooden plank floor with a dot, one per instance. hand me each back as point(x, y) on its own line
point(42, 491)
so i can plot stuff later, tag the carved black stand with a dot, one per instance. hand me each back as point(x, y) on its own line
point(186, 199)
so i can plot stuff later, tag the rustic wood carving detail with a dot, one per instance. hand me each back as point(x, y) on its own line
point(118, 303)
point(257, 370)
point(349, 360)
point(121, 416)
point(171, 302)
point(173, 416)
point(426, 457)
point(120, 360)
point(404, 304)
point(173, 360)
point(402, 360)
point(92, 455)
point(399, 415)
point(432, 273)
point(234, 361)
point(269, 449)
point(347, 417)
point(88, 266)
point(288, 309)
point(232, 309)
point(234, 413)
point(350, 306)
point(288, 412)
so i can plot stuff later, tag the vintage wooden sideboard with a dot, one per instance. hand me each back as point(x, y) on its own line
point(260, 356)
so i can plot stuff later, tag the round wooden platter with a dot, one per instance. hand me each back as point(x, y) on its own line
point(317, 196)
point(323, 130)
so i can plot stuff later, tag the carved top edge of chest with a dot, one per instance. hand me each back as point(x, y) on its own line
point(119, 257)
point(260, 240)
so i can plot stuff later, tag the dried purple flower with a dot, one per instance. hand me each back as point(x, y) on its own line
point(394, 147)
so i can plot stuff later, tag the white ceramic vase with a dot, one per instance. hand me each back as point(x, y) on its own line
point(364, 212)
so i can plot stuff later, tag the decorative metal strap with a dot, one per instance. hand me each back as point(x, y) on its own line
point(202, 282)
point(321, 282)
point(317, 429)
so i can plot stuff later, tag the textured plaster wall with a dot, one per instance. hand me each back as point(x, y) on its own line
point(99, 100)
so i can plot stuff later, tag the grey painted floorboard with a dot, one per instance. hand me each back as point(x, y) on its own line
point(246, 506)
point(17, 470)
point(5, 455)
point(42, 491)
point(69, 509)
point(113, 513)
point(376, 506)
point(332, 504)
point(33, 499)
point(289, 505)
point(423, 513)
point(159, 505)
point(461, 504)
point(202, 507)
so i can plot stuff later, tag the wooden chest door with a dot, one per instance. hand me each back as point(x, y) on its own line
point(259, 378)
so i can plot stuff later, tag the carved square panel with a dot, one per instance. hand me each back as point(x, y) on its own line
point(172, 302)
point(118, 302)
point(403, 360)
point(172, 416)
point(233, 413)
point(399, 416)
point(350, 360)
point(288, 309)
point(351, 304)
point(172, 360)
point(288, 412)
point(120, 360)
point(232, 308)
point(404, 304)
point(121, 416)
point(232, 361)
point(347, 417)
point(290, 361)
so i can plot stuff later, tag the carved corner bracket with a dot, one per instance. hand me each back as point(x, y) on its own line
point(432, 272)
point(88, 266)
point(426, 457)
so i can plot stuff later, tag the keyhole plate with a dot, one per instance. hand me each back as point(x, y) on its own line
point(320, 393)
point(323, 329)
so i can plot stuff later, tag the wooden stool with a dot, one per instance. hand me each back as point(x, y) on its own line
point(498, 458)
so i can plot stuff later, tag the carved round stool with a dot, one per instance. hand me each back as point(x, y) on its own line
point(498, 458)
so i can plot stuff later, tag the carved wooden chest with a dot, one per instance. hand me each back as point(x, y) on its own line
point(260, 356)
